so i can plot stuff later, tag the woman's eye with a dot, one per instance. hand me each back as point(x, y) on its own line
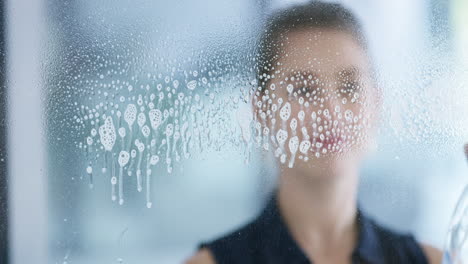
point(305, 87)
point(302, 90)
point(349, 88)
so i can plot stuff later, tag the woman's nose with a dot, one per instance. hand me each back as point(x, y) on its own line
point(331, 103)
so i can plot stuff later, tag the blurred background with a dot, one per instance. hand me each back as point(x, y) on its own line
point(57, 52)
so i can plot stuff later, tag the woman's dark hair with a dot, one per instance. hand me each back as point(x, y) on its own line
point(311, 15)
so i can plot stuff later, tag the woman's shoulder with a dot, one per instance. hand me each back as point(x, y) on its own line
point(404, 246)
point(251, 243)
point(203, 256)
point(237, 243)
point(434, 255)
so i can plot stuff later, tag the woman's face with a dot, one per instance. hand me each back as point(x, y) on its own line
point(321, 102)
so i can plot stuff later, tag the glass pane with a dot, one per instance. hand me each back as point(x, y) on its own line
point(168, 124)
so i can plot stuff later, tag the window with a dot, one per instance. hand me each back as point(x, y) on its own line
point(136, 129)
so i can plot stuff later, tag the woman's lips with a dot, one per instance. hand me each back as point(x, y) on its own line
point(330, 140)
point(327, 143)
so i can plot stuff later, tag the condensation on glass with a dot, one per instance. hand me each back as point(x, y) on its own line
point(151, 106)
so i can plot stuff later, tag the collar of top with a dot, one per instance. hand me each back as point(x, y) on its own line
point(279, 246)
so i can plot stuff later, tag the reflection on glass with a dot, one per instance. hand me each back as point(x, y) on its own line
point(159, 106)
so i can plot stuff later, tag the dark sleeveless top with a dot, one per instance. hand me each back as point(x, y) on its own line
point(267, 240)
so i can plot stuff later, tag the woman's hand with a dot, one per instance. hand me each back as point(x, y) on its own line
point(466, 151)
point(455, 249)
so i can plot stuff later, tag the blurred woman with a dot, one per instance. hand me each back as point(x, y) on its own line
point(316, 109)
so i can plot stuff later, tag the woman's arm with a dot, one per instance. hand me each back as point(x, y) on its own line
point(433, 254)
point(203, 256)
